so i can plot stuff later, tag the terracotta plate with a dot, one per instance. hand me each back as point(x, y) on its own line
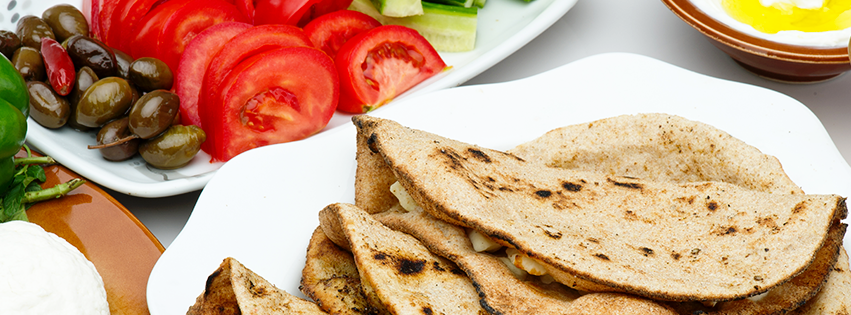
point(122, 249)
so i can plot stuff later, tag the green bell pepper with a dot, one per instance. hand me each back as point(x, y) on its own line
point(13, 133)
point(13, 88)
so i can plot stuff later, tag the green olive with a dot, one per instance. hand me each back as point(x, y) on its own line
point(174, 148)
point(31, 29)
point(113, 131)
point(47, 108)
point(123, 60)
point(9, 43)
point(153, 113)
point(84, 79)
point(105, 100)
point(90, 52)
point(65, 20)
point(150, 74)
point(29, 63)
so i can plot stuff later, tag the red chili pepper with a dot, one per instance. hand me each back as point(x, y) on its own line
point(59, 67)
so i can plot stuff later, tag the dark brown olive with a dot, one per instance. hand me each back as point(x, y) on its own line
point(29, 63)
point(84, 79)
point(150, 74)
point(46, 107)
point(31, 29)
point(9, 43)
point(105, 100)
point(153, 113)
point(123, 60)
point(113, 131)
point(90, 52)
point(174, 148)
point(65, 20)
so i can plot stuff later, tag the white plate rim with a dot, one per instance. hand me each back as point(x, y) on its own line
point(815, 163)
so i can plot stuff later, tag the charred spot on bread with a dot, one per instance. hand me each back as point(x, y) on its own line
point(479, 155)
point(625, 184)
point(573, 187)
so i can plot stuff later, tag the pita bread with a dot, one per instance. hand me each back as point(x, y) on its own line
point(500, 291)
point(617, 304)
point(659, 147)
point(372, 179)
point(330, 277)
point(532, 207)
point(234, 289)
point(835, 297)
point(402, 273)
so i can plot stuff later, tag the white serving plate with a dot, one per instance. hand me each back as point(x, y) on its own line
point(503, 27)
point(261, 207)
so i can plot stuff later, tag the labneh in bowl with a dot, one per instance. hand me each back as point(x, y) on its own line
point(766, 58)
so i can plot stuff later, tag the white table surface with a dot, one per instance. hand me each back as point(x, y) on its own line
point(643, 27)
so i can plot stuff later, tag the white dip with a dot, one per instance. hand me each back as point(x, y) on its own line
point(41, 273)
point(828, 39)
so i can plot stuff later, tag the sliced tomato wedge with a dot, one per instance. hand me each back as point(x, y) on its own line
point(294, 12)
point(278, 96)
point(379, 64)
point(247, 8)
point(147, 30)
point(107, 14)
point(193, 64)
point(252, 41)
point(190, 20)
point(330, 31)
point(131, 11)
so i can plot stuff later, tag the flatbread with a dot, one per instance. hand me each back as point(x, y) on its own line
point(617, 304)
point(372, 179)
point(659, 147)
point(402, 273)
point(500, 291)
point(835, 296)
point(532, 207)
point(234, 289)
point(330, 277)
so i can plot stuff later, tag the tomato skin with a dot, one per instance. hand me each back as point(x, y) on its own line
point(294, 12)
point(190, 20)
point(330, 31)
point(131, 12)
point(252, 41)
point(193, 65)
point(147, 30)
point(247, 9)
point(388, 74)
point(281, 95)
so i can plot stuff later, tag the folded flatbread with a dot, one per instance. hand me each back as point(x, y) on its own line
point(689, 255)
point(330, 277)
point(234, 289)
point(655, 146)
point(401, 272)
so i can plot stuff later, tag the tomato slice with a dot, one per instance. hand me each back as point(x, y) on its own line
point(147, 30)
point(193, 64)
point(379, 64)
point(107, 14)
point(131, 12)
point(330, 31)
point(190, 20)
point(252, 41)
point(278, 96)
point(247, 8)
point(287, 12)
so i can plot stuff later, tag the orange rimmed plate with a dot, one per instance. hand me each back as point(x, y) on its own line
point(122, 249)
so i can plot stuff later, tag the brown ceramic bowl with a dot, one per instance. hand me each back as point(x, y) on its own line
point(122, 249)
point(782, 62)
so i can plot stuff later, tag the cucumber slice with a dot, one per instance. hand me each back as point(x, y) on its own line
point(457, 3)
point(398, 8)
point(479, 3)
point(448, 28)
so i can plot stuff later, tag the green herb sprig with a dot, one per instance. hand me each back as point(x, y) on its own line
point(25, 188)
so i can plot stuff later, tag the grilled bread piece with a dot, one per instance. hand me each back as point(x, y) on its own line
point(835, 296)
point(501, 292)
point(593, 225)
point(330, 277)
point(234, 289)
point(402, 273)
point(659, 147)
